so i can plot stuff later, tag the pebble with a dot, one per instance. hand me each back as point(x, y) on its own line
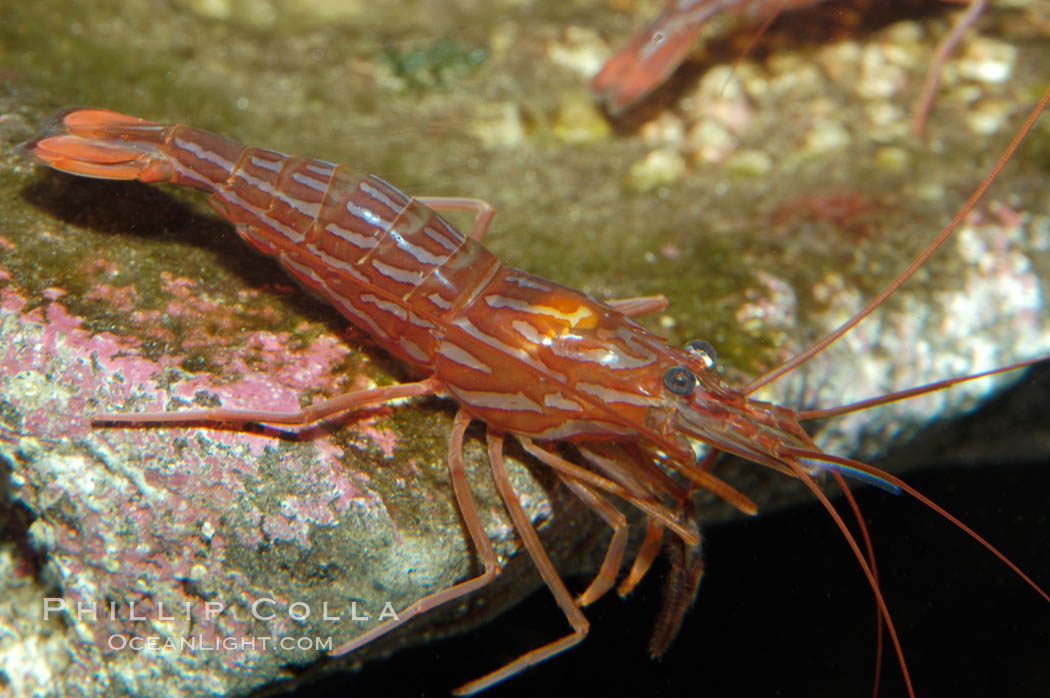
point(987, 60)
point(661, 166)
point(750, 163)
point(500, 126)
point(582, 51)
point(665, 129)
point(709, 142)
point(827, 135)
point(988, 116)
point(879, 76)
point(579, 121)
point(893, 158)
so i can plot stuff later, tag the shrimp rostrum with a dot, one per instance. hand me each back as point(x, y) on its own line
point(526, 356)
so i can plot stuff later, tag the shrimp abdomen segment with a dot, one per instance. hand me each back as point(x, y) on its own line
point(525, 354)
point(390, 264)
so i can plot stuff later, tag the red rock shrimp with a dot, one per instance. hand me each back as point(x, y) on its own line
point(594, 376)
point(652, 55)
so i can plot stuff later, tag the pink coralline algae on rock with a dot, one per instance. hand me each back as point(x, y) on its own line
point(241, 542)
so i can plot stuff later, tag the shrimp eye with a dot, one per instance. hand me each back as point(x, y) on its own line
point(680, 380)
point(704, 351)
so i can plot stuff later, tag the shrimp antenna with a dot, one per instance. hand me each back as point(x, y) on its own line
point(752, 41)
point(840, 463)
point(869, 570)
point(855, 474)
point(878, 300)
point(914, 392)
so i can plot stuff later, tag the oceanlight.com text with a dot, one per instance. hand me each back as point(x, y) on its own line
point(199, 643)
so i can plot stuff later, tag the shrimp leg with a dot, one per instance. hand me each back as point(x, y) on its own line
point(469, 511)
point(482, 209)
point(543, 563)
point(606, 576)
point(309, 415)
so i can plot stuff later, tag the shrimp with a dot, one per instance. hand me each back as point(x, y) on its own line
point(530, 358)
point(651, 56)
